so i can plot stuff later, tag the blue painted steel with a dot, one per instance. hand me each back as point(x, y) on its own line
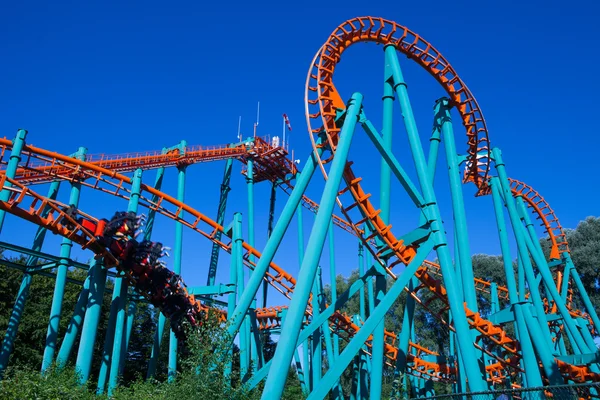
point(291, 330)
point(365, 331)
point(11, 168)
point(19, 306)
point(430, 208)
point(61, 279)
point(246, 298)
point(231, 302)
point(458, 206)
point(90, 322)
point(177, 253)
point(317, 345)
point(214, 254)
point(269, 232)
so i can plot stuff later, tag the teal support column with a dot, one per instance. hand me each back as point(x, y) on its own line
point(236, 255)
point(214, 254)
point(306, 359)
point(160, 325)
point(92, 317)
point(466, 347)
point(120, 331)
point(293, 324)
point(361, 273)
point(333, 282)
point(529, 362)
point(269, 232)
point(130, 317)
point(246, 298)
point(177, 253)
point(233, 268)
point(19, 306)
point(458, 206)
point(523, 245)
point(385, 193)
point(66, 346)
point(61, 278)
point(582, 292)
point(11, 168)
point(365, 331)
point(253, 345)
point(317, 345)
point(495, 301)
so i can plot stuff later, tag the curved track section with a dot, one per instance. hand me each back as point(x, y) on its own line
point(322, 97)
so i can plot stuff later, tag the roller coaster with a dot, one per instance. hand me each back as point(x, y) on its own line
point(542, 325)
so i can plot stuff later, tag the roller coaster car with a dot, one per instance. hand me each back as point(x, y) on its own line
point(163, 287)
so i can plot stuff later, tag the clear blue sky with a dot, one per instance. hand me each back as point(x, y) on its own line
point(128, 77)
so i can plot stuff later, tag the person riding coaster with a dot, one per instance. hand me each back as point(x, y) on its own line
point(141, 260)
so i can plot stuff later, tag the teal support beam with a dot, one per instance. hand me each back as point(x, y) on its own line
point(430, 208)
point(291, 330)
point(317, 345)
point(319, 321)
point(529, 362)
point(385, 196)
point(333, 283)
point(524, 243)
point(458, 205)
point(231, 301)
point(11, 169)
point(236, 256)
point(365, 331)
point(120, 332)
point(246, 298)
point(160, 325)
point(214, 254)
point(90, 324)
point(75, 324)
point(361, 273)
point(19, 306)
point(581, 289)
point(61, 279)
point(269, 232)
point(130, 318)
point(253, 346)
point(177, 254)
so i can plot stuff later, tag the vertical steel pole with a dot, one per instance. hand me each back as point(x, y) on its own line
point(529, 362)
point(541, 264)
point(246, 298)
point(214, 254)
point(92, 317)
point(269, 232)
point(458, 206)
point(61, 278)
point(317, 345)
point(160, 326)
point(466, 347)
point(177, 253)
point(251, 339)
point(231, 300)
point(293, 324)
point(11, 168)
point(120, 332)
point(19, 306)
point(237, 254)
